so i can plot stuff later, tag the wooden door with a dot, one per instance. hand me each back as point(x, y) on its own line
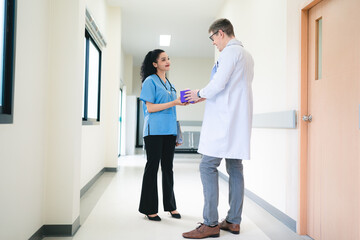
point(333, 185)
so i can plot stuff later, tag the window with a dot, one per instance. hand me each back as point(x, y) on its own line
point(318, 50)
point(7, 59)
point(2, 27)
point(92, 73)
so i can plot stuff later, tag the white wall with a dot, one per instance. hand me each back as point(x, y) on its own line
point(93, 146)
point(128, 74)
point(272, 172)
point(23, 144)
point(100, 142)
point(193, 73)
point(112, 88)
point(64, 113)
point(136, 81)
point(46, 154)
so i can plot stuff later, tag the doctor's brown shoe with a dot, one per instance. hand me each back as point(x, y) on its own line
point(203, 231)
point(231, 227)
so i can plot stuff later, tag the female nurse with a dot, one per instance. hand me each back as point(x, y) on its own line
point(160, 129)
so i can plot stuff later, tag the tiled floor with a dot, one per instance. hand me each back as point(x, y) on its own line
point(109, 208)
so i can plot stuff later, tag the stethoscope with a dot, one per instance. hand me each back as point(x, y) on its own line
point(171, 87)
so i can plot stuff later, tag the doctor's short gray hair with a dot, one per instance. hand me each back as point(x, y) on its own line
point(223, 24)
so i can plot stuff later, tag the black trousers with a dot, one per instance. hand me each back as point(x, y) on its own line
point(158, 147)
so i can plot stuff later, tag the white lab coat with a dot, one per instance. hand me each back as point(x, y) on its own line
point(227, 122)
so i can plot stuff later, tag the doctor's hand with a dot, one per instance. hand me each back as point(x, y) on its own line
point(200, 100)
point(191, 96)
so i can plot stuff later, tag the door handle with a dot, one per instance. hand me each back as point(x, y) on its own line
point(307, 118)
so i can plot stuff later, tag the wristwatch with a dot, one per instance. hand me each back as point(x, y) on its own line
point(198, 94)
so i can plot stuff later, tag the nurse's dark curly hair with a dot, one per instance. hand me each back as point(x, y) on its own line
point(147, 67)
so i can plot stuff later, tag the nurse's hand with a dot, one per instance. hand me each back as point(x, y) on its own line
point(178, 102)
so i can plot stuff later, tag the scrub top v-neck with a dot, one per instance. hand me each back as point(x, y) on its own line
point(154, 90)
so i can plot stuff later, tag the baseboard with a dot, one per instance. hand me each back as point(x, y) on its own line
point(109, 169)
point(95, 178)
point(282, 217)
point(54, 230)
point(62, 230)
point(91, 182)
point(38, 235)
point(68, 230)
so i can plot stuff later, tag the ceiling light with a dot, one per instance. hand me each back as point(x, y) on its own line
point(165, 40)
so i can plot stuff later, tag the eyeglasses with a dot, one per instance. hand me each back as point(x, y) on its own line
point(211, 37)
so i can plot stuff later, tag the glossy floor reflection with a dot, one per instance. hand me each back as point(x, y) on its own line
point(109, 209)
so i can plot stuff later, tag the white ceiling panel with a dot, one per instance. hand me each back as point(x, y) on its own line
point(187, 21)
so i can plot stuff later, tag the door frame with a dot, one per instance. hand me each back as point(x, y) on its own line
point(120, 120)
point(303, 110)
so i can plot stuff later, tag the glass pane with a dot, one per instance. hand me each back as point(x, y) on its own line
point(2, 34)
point(94, 58)
point(83, 114)
point(319, 48)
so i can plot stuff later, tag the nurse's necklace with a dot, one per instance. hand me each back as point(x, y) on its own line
point(164, 84)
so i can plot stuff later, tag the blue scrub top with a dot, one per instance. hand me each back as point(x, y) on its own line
point(162, 122)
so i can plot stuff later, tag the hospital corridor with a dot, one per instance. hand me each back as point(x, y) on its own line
point(269, 90)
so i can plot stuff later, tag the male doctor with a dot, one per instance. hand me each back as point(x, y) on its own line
point(226, 129)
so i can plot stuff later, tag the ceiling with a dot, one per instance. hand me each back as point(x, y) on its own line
point(187, 21)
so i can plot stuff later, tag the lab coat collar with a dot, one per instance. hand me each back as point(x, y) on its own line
point(234, 41)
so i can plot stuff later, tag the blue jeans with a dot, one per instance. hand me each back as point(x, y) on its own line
point(210, 180)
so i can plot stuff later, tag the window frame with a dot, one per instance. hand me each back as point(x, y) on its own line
point(7, 108)
point(85, 119)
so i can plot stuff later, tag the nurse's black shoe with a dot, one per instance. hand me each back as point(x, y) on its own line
point(154, 218)
point(175, 215)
